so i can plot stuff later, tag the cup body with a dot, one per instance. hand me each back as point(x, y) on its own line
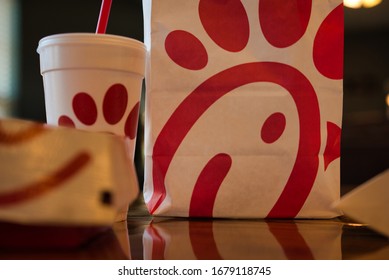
point(93, 82)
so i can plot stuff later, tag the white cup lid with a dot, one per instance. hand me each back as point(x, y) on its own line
point(90, 50)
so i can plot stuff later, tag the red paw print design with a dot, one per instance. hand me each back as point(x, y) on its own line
point(283, 25)
point(114, 107)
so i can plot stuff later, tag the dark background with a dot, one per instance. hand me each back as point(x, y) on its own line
point(365, 134)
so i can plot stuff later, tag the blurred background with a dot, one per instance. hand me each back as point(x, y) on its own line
point(365, 133)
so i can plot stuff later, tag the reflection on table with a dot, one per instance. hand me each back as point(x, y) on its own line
point(19, 242)
point(144, 237)
point(191, 239)
point(227, 239)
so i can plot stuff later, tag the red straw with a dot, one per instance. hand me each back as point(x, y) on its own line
point(104, 15)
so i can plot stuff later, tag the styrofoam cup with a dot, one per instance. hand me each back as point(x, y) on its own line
point(93, 82)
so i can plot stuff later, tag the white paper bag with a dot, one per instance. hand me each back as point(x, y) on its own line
point(243, 107)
